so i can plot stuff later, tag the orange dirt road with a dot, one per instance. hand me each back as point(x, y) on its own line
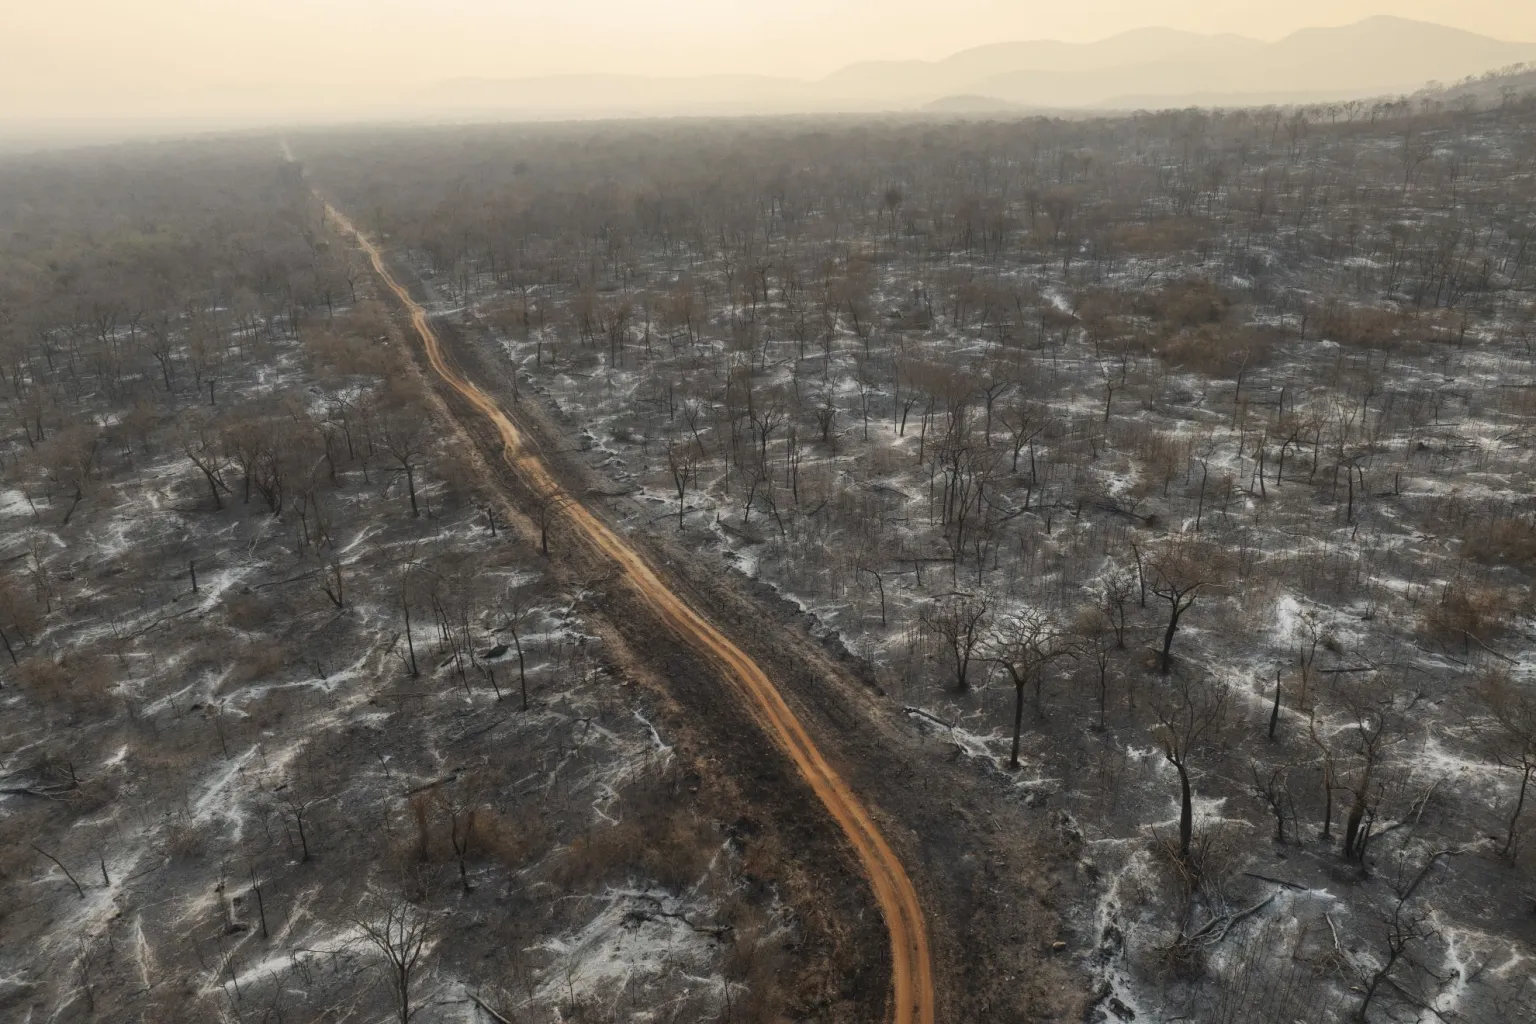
point(911, 966)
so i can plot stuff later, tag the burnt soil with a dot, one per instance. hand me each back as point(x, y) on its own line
point(996, 876)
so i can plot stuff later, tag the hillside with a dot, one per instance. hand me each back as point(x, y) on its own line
point(1148, 67)
point(1494, 88)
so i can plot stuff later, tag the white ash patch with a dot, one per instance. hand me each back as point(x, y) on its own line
point(638, 942)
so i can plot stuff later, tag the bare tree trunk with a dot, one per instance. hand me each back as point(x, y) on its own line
point(62, 868)
point(522, 669)
point(1274, 712)
point(1186, 811)
point(1514, 819)
point(1165, 662)
point(410, 641)
point(1018, 721)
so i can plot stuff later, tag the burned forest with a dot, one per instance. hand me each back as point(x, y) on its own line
point(1129, 517)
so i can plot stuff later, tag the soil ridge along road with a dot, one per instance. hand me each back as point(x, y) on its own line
point(911, 962)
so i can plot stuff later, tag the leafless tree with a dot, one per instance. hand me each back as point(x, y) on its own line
point(516, 610)
point(401, 936)
point(70, 459)
point(1117, 590)
point(403, 434)
point(682, 463)
point(1374, 721)
point(1189, 711)
point(1406, 926)
point(1177, 575)
point(406, 584)
point(1511, 743)
point(204, 449)
point(460, 804)
point(332, 581)
point(1098, 640)
point(1272, 789)
point(547, 507)
point(1023, 645)
point(959, 621)
point(296, 808)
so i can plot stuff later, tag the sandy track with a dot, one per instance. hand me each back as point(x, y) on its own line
point(911, 966)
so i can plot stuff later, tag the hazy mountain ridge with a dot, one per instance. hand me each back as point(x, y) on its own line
point(1143, 67)
point(1495, 87)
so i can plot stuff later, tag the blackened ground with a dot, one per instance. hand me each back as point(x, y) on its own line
point(992, 872)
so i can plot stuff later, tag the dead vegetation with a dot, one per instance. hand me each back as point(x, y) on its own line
point(1168, 474)
point(287, 692)
point(1189, 446)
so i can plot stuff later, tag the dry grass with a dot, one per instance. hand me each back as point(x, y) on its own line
point(1361, 326)
point(493, 837)
point(249, 611)
point(1510, 542)
point(78, 685)
point(253, 661)
point(18, 611)
point(1163, 455)
point(756, 958)
point(186, 838)
point(1217, 351)
point(672, 848)
point(763, 859)
point(22, 825)
point(274, 707)
point(342, 353)
point(1467, 611)
point(513, 844)
point(1183, 304)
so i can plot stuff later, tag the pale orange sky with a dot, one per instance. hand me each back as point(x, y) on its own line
point(141, 57)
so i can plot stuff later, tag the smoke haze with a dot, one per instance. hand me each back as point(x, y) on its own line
point(80, 64)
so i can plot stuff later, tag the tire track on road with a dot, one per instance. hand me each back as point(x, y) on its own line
point(911, 963)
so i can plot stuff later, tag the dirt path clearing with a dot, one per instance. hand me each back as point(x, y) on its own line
point(911, 968)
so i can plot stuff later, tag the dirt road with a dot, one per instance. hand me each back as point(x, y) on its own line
point(911, 967)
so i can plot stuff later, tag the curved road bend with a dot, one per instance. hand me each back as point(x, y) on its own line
point(911, 966)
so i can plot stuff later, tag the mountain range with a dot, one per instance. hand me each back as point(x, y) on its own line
point(1150, 67)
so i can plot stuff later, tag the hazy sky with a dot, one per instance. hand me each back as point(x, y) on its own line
point(120, 57)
